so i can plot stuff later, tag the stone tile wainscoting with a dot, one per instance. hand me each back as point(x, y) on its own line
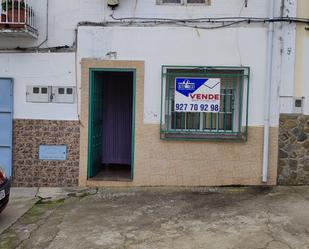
point(28, 170)
point(293, 164)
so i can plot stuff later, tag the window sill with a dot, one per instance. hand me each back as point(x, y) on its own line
point(239, 137)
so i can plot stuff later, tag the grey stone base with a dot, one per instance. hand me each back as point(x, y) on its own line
point(293, 163)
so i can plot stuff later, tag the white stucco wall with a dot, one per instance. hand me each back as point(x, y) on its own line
point(186, 47)
point(306, 76)
point(217, 8)
point(236, 46)
point(301, 79)
point(63, 19)
point(65, 15)
point(46, 69)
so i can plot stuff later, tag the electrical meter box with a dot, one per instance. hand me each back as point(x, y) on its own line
point(50, 94)
point(61, 94)
point(38, 94)
point(298, 105)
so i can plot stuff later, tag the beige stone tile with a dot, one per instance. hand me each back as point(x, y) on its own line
point(159, 162)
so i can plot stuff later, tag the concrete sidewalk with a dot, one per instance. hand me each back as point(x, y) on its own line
point(22, 199)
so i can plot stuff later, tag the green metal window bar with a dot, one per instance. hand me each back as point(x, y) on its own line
point(229, 124)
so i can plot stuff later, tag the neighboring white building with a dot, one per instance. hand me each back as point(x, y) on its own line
point(68, 64)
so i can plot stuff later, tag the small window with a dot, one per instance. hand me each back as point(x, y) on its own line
point(171, 1)
point(298, 103)
point(60, 90)
point(204, 103)
point(44, 90)
point(36, 90)
point(184, 2)
point(196, 1)
point(69, 91)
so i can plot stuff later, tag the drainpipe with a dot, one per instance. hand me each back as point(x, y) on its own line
point(267, 91)
point(47, 24)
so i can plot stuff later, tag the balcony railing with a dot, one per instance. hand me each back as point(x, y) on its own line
point(16, 16)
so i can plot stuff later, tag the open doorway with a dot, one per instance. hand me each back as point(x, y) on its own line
point(111, 125)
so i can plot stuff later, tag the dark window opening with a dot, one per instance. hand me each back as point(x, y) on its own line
point(196, 1)
point(69, 91)
point(171, 1)
point(36, 90)
point(298, 103)
point(44, 90)
point(60, 90)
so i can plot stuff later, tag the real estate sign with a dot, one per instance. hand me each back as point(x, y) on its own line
point(197, 94)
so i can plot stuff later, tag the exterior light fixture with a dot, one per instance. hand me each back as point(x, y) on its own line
point(112, 3)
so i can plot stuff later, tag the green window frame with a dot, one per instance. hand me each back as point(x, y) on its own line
point(229, 124)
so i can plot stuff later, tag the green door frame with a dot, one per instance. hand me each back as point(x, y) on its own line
point(92, 72)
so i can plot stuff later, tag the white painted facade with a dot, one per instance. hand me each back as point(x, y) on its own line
point(301, 78)
point(174, 46)
point(55, 69)
point(64, 16)
point(306, 76)
point(244, 45)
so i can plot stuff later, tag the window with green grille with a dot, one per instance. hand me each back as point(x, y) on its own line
point(229, 123)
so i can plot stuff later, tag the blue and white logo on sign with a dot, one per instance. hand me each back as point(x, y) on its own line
point(197, 94)
point(186, 86)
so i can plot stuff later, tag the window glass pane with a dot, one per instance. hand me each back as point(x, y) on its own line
point(171, 1)
point(60, 90)
point(224, 122)
point(193, 121)
point(207, 121)
point(228, 121)
point(213, 121)
point(196, 1)
point(227, 100)
point(185, 121)
point(36, 90)
point(178, 120)
point(223, 100)
point(44, 90)
point(69, 91)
